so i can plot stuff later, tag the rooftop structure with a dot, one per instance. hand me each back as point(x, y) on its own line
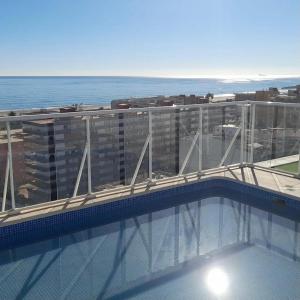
point(271, 95)
point(159, 101)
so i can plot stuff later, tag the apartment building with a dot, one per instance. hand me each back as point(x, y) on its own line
point(54, 147)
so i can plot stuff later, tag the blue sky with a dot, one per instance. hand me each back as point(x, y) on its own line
point(150, 37)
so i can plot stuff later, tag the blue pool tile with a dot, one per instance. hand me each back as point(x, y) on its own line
point(33, 230)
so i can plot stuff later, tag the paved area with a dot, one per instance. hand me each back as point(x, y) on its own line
point(279, 161)
point(270, 179)
point(275, 181)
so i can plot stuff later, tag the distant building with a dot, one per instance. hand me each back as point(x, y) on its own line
point(54, 149)
point(263, 95)
point(273, 92)
point(46, 159)
point(294, 92)
point(158, 101)
point(270, 95)
point(245, 97)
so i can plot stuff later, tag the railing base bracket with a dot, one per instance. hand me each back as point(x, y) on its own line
point(13, 212)
point(151, 183)
point(90, 196)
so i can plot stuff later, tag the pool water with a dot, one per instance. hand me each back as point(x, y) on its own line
point(216, 247)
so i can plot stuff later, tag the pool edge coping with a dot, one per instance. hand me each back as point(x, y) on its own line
point(49, 209)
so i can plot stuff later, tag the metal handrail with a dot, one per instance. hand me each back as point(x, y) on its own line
point(114, 111)
point(44, 116)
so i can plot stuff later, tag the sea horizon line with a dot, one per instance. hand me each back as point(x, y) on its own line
point(245, 77)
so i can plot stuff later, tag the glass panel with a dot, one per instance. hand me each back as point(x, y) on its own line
point(134, 137)
point(47, 153)
point(277, 132)
point(70, 142)
point(46, 159)
point(3, 164)
point(188, 129)
point(165, 143)
point(285, 142)
point(106, 151)
point(263, 131)
point(20, 167)
point(220, 126)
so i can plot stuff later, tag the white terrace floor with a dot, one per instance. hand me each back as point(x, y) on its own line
point(269, 179)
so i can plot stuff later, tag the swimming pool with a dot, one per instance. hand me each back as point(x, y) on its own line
point(216, 239)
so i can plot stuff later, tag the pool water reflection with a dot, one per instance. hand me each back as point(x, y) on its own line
point(217, 281)
point(201, 249)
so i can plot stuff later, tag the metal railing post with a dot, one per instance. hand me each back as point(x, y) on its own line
point(242, 136)
point(80, 171)
point(5, 184)
point(140, 161)
point(238, 131)
point(200, 139)
point(299, 163)
point(196, 137)
point(11, 172)
point(150, 145)
point(253, 111)
point(88, 140)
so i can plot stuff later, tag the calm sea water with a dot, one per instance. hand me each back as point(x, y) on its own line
point(38, 92)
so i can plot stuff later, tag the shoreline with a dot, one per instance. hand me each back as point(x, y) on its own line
point(217, 98)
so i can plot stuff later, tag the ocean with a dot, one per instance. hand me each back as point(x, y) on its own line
point(41, 92)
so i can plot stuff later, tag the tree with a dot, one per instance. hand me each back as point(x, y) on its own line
point(209, 96)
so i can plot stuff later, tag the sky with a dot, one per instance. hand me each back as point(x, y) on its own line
point(169, 38)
